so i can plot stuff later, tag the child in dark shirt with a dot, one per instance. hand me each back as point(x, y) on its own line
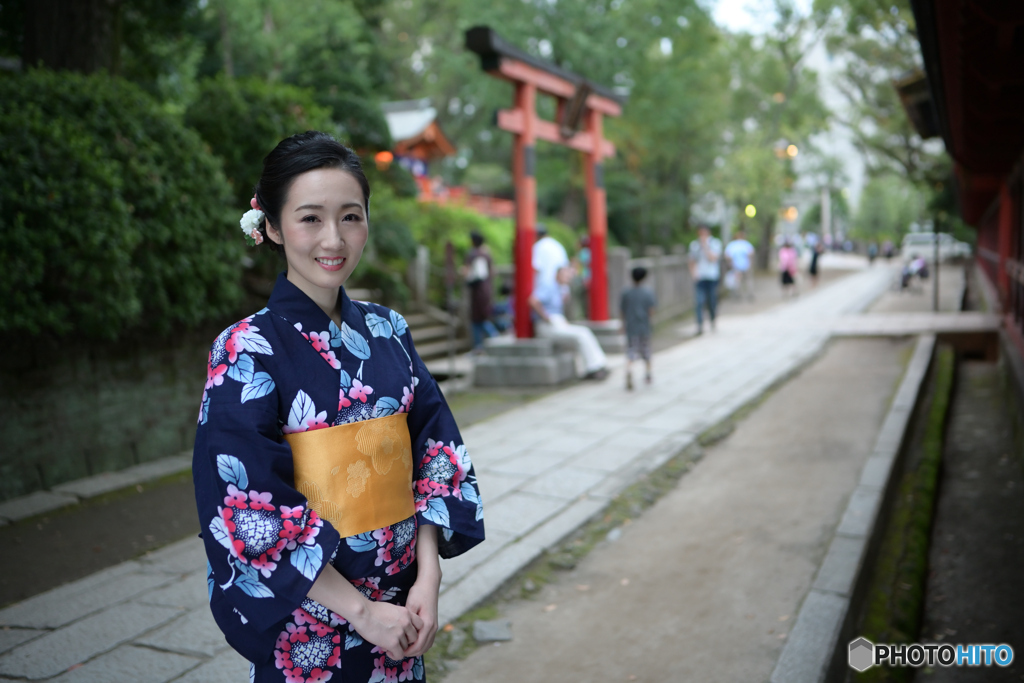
point(637, 307)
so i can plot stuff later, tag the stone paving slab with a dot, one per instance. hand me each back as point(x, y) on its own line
point(128, 663)
point(189, 593)
point(90, 487)
point(178, 558)
point(227, 667)
point(59, 650)
point(11, 637)
point(42, 612)
point(195, 633)
point(34, 504)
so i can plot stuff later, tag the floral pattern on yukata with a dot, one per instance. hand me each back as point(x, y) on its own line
point(290, 368)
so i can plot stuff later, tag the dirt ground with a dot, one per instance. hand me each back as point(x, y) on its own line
point(705, 585)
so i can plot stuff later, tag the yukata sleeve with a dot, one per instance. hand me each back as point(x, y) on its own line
point(444, 483)
point(265, 545)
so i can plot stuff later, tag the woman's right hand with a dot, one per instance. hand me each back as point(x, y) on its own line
point(392, 628)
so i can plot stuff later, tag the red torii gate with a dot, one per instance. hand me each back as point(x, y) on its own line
point(577, 100)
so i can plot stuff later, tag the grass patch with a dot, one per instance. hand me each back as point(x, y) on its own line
point(895, 596)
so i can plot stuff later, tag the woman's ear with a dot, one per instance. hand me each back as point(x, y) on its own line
point(274, 234)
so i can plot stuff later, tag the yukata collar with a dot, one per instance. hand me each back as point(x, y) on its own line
point(295, 306)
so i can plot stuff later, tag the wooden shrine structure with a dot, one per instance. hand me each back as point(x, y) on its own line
point(579, 103)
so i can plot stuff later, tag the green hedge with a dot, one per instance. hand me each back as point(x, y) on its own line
point(113, 213)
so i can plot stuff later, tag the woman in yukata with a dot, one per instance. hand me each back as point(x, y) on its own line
point(329, 473)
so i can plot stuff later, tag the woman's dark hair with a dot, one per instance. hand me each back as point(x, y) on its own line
point(291, 158)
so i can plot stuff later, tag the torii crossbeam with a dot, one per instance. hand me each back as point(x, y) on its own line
point(578, 101)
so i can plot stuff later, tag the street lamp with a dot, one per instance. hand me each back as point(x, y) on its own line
point(750, 210)
point(792, 151)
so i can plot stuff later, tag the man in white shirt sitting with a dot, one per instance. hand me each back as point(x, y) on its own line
point(547, 302)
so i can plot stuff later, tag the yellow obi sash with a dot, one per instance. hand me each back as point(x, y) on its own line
point(358, 476)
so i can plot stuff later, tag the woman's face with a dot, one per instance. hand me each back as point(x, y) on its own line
point(323, 230)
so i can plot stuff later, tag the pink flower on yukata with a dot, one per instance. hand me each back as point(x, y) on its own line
point(282, 659)
point(234, 345)
point(292, 513)
point(290, 531)
point(236, 498)
point(406, 674)
point(294, 675)
point(343, 401)
point(383, 555)
point(311, 530)
point(264, 565)
point(336, 654)
point(378, 667)
point(319, 676)
point(321, 341)
point(259, 501)
point(320, 629)
point(332, 359)
point(215, 376)
point(383, 535)
point(297, 634)
point(407, 398)
point(303, 617)
point(359, 391)
point(283, 643)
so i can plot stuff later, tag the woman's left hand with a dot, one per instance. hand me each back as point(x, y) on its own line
point(422, 599)
point(422, 602)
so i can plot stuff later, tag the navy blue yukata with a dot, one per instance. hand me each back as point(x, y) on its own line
point(288, 369)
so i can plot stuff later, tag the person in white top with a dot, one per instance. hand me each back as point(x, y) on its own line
point(548, 257)
point(740, 253)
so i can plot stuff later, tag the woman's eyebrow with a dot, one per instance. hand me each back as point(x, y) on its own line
point(349, 205)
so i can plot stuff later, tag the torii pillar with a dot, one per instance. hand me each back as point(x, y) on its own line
point(578, 102)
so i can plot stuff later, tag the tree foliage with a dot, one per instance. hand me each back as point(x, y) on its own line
point(113, 213)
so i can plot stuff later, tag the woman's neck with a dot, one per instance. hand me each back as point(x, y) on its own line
point(326, 299)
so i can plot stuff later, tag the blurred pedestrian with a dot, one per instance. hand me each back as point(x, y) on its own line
point(548, 257)
point(705, 256)
point(548, 302)
point(819, 249)
point(637, 306)
point(872, 252)
point(740, 254)
point(788, 264)
point(479, 273)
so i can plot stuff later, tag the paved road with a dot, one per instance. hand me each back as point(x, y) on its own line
point(544, 468)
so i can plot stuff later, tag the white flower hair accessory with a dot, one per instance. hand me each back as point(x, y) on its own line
point(250, 224)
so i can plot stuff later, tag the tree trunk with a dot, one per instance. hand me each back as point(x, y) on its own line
point(225, 40)
point(76, 35)
point(764, 250)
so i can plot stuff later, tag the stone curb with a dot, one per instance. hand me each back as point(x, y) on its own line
point(72, 492)
point(815, 650)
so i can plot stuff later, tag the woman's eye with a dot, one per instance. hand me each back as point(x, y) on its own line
point(353, 217)
point(310, 219)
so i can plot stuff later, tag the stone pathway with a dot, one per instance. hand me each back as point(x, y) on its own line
point(544, 469)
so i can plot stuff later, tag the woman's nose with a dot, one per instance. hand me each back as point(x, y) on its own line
point(334, 237)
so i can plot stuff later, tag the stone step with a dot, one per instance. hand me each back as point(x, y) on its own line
point(422, 335)
point(437, 349)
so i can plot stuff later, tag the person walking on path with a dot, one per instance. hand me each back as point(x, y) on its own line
point(705, 257)
point(819, 249)
point(788, 263)
point(306, 581)
point(479, 273)
point(740, 253)
point(547, 302)
point(637, 307)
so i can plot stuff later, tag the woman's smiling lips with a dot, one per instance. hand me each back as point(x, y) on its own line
point(331, 264)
